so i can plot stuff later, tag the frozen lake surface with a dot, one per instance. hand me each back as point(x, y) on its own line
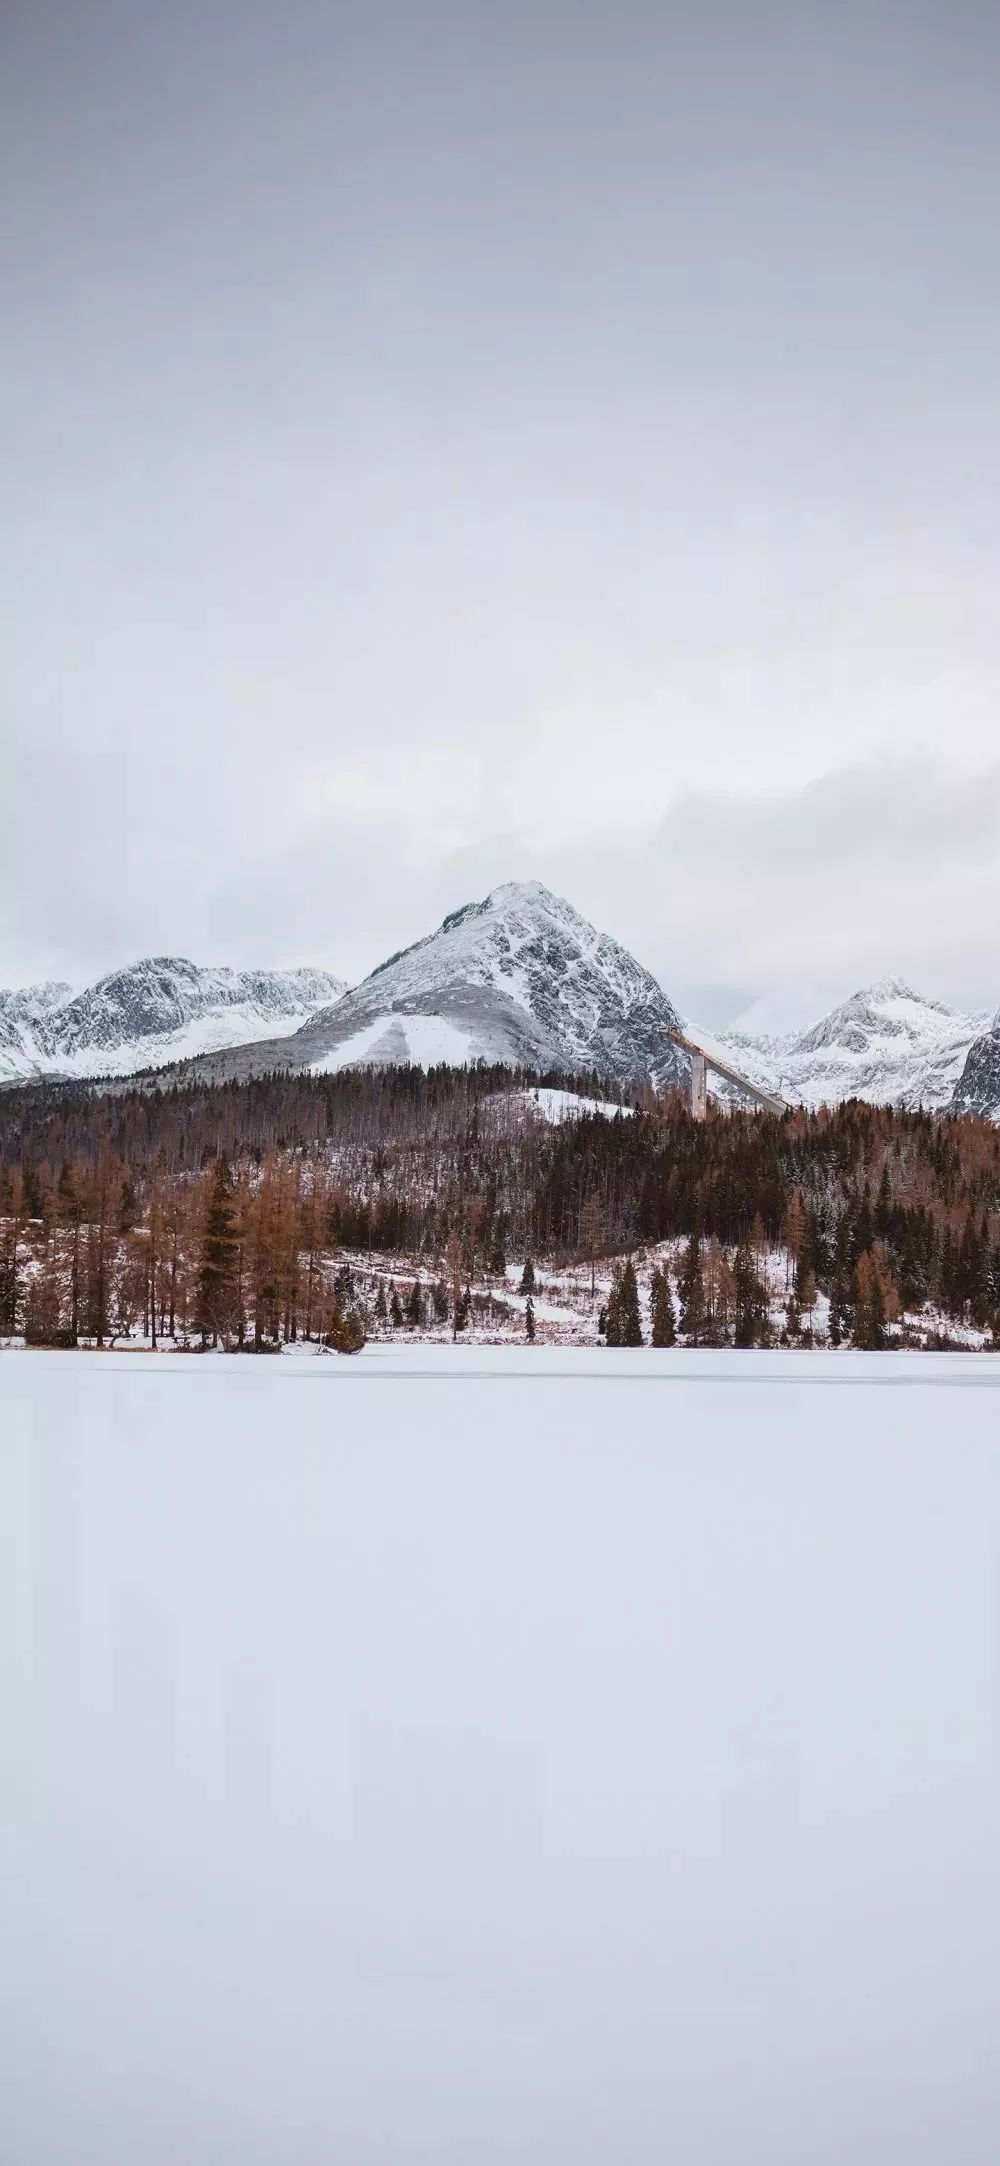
point(461, 1758)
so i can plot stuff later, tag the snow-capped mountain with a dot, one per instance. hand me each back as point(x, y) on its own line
point(24, 1014)
point(520, 977)
point(978, 1087)
point(156, 1011)
point(886, 1044)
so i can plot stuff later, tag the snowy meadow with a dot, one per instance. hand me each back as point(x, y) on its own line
point(466, 1754)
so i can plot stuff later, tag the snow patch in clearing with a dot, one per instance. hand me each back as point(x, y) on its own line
point(558, 1106)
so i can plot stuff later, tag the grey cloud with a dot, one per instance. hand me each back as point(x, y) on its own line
point(907, 814)
point(437, 440)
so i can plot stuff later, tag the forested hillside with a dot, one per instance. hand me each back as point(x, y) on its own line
point(294, 1207)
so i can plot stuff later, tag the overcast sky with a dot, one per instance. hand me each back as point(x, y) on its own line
point(447, 443)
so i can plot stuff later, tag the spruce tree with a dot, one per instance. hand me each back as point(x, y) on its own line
point(631, 1320)
point(529, 1321)
point(527, 1285)
point(750, 1302)
point(664, 1332)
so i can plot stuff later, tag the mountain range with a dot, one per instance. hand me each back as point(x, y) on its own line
point(887, 1044)
point(521, 978)
point(156, 1011)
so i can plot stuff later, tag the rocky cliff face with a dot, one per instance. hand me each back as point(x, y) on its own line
point(978, 1087)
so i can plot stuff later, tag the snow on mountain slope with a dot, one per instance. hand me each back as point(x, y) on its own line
point(886, 1044)
point(24, 1013)
point(520, 977)
point(419, 1041)
point(978, 1087)
point(159, 1010)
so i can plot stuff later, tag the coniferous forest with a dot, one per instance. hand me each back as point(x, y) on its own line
point(324, 1209)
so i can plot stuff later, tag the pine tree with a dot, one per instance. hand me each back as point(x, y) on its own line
point(664, 1332)
point(395, 1307)
point(841, 1315)
point(215, 1305)
point(527, 1285)
point(869, 1306)
point(415, 1306)
point(750, 1303)
point(631, 1320)
point(128, 1207)
point(529, 1321)
point(796, 1228)
point(692, 1291)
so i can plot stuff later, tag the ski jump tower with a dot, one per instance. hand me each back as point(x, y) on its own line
point(702, 1059)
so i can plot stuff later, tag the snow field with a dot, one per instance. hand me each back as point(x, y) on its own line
point(486, 1755)
point(426, 1041)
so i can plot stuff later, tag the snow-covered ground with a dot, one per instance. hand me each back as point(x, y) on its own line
point(556, 1107)
point(488, 1755)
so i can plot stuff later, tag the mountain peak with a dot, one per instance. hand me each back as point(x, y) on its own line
point(523, 891)
point(511, 895)
point(517, 977)
point(886, 1043)
point(887, 989)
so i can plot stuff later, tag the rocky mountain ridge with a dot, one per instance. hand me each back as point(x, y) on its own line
point(978, 1087)
point(159, 1010)
point(519, 977)
point(886, 1043)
